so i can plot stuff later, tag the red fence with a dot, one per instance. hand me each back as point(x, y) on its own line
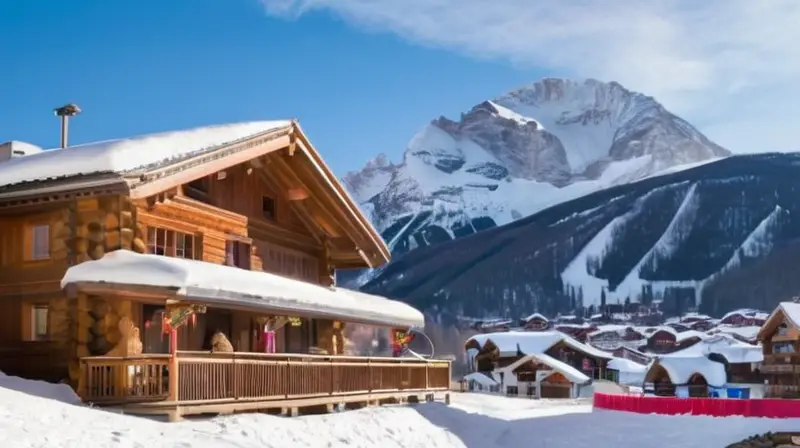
point(717, 407)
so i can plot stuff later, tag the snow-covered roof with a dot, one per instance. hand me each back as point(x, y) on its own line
point(571, 373)
point(734, 351)
point(681, 369)
point(480, 378)
point(748, 332)
point(219, 285)
point(747, 312)
point(683, 335)
point(535, 316)
point(626, 365)
point(129, 154)
point(789, 309)
point(534, 342)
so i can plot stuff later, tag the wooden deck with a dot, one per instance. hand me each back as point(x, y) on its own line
point(224, 383)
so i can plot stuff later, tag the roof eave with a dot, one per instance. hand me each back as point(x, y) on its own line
point(380, 255)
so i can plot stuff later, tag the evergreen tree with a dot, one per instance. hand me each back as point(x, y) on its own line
point(602, 300)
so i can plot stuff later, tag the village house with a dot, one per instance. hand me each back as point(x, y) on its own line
point(535, 322)
point(717, 365)
point(780, 342)
point(542, 364)
point(192, 272)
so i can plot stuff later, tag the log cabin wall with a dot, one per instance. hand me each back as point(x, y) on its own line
point(36, 248)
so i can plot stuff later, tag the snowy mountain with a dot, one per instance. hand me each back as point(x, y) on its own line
point(722, 235)
point(507, 158)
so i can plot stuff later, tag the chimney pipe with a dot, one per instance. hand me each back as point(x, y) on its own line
point(65, 112)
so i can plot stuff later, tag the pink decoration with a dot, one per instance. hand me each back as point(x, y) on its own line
point(269, 342)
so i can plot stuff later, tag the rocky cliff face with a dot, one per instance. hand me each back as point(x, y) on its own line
point(507, 158)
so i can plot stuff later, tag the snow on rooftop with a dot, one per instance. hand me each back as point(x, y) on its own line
point(225, 285)
point(748, 332)
point(681, 369)
point(129, 154)
point(734, 351)
point(535, 316)
point(534, 342)
point(792, 311)
point(626, 365)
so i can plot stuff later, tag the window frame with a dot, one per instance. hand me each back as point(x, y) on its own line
point(168, 242)
point(35, 240)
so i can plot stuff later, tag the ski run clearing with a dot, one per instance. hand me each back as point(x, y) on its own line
point(34, 414)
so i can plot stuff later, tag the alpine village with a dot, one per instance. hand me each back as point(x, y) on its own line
point(192, 272)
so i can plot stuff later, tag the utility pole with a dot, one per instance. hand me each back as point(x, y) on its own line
point(65, 112)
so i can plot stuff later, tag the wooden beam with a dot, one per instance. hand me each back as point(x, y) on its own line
point(161, 179)
point(322, 171)
point(322, 196)
point(296, 207)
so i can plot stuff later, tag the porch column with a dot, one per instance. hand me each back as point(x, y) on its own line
point(175, 317)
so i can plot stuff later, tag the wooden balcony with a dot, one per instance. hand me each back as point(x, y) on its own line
point(234, 382)
point(778, 391)
point(780, 369)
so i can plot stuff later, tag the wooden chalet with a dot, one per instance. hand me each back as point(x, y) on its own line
point(122, 263)
point(780, 342)
point(535, 322)
point(541, 364)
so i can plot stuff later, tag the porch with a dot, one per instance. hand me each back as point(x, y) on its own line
point(184, 305)
point(223, 383)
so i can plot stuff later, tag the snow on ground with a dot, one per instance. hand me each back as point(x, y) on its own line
point(28, 419)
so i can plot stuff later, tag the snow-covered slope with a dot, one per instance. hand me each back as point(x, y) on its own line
point(720, 236)
point(507, 158)
point(472, 420)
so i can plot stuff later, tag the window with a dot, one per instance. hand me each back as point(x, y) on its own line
point(40, 242)
point(237, 254)
point(198, 189)
point(268, 207)
point(39, 315)
point(171, 243)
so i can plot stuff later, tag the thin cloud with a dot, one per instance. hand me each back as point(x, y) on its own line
point(713, 61)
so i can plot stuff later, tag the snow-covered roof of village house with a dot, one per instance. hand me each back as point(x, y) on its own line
point(734, 351)
point(681, 369)
point(535, 316)
point(747, 312)
point(481, 378)
point(129, 154)
point(748, 332)
point(534, 342)
point(219, 285)
point(626, 365)
point(569, 372)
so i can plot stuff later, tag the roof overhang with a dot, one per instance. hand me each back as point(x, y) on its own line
point(172, 280)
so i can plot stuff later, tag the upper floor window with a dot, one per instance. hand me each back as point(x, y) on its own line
point(39, 242)
point(237, 254)
point(783, 330)
point(39, 316)
point(172, 243)
point(268, 208)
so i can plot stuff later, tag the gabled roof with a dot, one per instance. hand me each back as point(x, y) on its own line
point(150, 164)
point(790, 310)
point(532, 342)
point(129, 156)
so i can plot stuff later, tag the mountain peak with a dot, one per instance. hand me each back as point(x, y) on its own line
point(511, 156)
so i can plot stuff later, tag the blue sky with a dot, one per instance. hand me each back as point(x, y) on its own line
point(155, 65)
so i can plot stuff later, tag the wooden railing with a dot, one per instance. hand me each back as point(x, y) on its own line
point(112, 380)
point(779, 391)
point(205, 378)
